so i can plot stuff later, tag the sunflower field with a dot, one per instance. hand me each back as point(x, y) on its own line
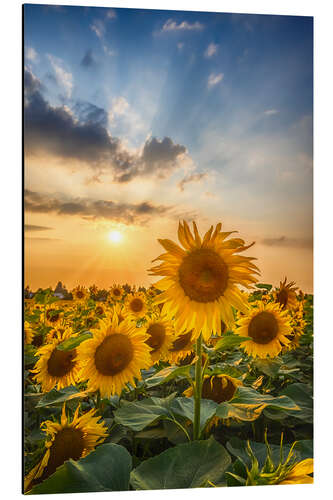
point(202, 380)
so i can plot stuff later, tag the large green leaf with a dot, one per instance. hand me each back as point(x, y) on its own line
point(247, 404)
point(106, 469)
point(73, 342)
point(229, 342)
point(185, 407)
point(190, 465)
point(302, 395)
point(139, 414)
point(55, 397)
point(167, 374)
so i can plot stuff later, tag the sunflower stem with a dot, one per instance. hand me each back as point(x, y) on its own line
point(198, 389)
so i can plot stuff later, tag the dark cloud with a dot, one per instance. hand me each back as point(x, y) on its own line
point(31, 227)
point(284, 241)
point(88, 60)
point(136, 213)
point(82, 135)
point(191, 178)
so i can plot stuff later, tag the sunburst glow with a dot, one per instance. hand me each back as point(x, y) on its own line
point(115, 236)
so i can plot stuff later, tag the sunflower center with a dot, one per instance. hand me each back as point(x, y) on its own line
point(99, 310)
point(38, 340)
point(114, 354)
point(181, 342)
point(79, 294)
point(157, 336)
point(52, 315)
point(61, 362)
point(68, 443)
point(282, 297)
point(218, 389)
point(116, 292)
point(263, 328)
point(203, 275)
point(136, 305)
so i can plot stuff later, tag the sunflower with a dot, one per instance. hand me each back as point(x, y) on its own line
point(53, 316)
point(66, 440)
point(219, 388)
point(160, 339)
point(114, 356)
point(116, 293)
point(181, 347)
point(286, 295)
point(56, 368)
point(80, 293)
point(299, 473)
point(268, 326)
point(298, 325)
point(135, 305)
point(100, 309)
point(201, 279)
point(28, 333)
point(119, 309)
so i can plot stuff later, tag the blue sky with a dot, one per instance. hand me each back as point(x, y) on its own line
point(207, 113)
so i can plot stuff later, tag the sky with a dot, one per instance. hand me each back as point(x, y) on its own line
point(136, 119)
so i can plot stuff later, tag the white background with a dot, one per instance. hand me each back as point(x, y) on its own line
point(10, 263)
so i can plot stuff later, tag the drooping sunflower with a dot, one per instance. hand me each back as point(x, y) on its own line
point(286, 295)
point(66, 440)
point(80, 293)
point(160, 332)
point(114, 356)
point(28, 333)
point(116, 293)
point(56, 368)
point(200, 283)
point(268, 326)
point(218, 388)
point(135, 305)
point(181, 347)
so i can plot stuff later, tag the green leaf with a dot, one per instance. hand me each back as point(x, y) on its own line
point(185, 407)
point(105, 469)
point(229, 342)
point(167, 374)
point(73, 342)
point(189, 465)
point(264, 285)
point(139, 414)
point(302, 395)
point(247, 404)
point(269, 367)
point(55, 397)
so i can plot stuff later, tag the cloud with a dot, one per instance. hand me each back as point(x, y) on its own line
point(31, 54)
point(81, 134)
point(127, 213)
point(111, 14)
point(171, 25)
point(284, 241)
point(98, 27)
point(211, 50)
point(270, 112)
point(214, 79)
point(64, 78)
point(192, 178)
point(88, 60)
point(31, 227)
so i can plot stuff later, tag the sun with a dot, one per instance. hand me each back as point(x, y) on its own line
point(115, 236)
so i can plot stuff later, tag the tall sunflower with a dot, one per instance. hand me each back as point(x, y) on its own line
point(114, 356)
point(181, 347)
point(268, 326)
point(66, 440)
point(56, 368)
point(116, 293)
point(135, 305)
point(160, 337)
point(80, 293)
point(286, 295)
point(201, 279)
